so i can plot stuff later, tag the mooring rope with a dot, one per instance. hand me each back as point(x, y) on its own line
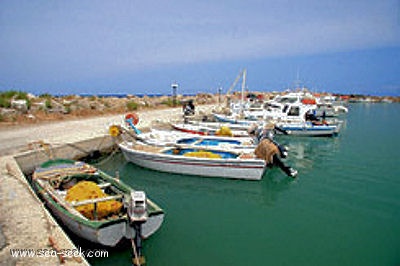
point(136, 259)
point(107, 158)
point(42, 147)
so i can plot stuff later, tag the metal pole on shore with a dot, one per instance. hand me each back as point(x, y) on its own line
point(174, 87)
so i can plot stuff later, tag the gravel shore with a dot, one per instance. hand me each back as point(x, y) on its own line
point(16, 139)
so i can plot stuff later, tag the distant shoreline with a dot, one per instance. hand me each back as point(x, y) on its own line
point(124, 95)
point(19, 108)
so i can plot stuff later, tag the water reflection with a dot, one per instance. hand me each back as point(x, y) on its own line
point(156, 183)
point(307, 152)
point(189, 198)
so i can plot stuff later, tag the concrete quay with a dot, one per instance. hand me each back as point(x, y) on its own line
point(24, 222)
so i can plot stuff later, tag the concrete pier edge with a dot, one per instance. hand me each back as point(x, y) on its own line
point(25, 223)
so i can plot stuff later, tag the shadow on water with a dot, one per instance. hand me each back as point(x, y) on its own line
point(266, 190)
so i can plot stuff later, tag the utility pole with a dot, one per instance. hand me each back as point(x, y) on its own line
point(219, 95)
point(174, 87)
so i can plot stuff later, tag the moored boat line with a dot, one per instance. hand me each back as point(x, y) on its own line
point(214, 156)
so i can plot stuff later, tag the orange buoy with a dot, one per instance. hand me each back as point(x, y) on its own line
point(134, 117)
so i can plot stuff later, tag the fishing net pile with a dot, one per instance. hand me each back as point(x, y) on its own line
point(266, 151)
point(224, 131)
point(203, 154)
point(85, 190)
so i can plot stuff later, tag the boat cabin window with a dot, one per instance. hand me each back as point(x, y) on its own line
point(287, 100)
point(294, 111)
point(285, 108)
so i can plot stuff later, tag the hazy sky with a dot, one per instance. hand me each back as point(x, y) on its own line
point(348, 46)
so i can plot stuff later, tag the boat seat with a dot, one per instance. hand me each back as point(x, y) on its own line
point(62, 193)
point(97, 200)
point(104, 185)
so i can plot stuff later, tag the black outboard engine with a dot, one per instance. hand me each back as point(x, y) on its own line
point(260, 133)
point(268, 133)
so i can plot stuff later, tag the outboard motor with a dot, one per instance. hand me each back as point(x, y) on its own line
point(268, 133)
point(137, 209)
point(137, 213)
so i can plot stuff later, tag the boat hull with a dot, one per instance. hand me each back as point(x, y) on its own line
point(249, 169)
point(108, 234)
point(306, 130)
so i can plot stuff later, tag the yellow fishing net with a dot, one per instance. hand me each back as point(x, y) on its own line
point(85, 190)
point(224, 131)
point(203, 154)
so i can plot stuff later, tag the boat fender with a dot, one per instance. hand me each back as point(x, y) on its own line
point(114, 131)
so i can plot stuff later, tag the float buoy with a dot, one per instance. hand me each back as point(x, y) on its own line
point(114, 131)
point(132, 116)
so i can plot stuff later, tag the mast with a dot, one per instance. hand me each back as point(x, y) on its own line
point(243, 88)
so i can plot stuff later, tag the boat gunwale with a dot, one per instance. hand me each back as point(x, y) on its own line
point(96, 224)
point(161, 153)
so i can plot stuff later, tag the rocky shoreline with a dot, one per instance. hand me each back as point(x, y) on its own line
point(24, 108)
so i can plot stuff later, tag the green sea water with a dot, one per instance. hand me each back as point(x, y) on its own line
point(342, 209)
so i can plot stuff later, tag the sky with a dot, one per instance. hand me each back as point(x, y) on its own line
point(141, 47)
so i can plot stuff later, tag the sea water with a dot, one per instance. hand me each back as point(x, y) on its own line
point(342, 209)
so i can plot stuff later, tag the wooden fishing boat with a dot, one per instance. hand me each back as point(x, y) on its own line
point(114, 211)
point(195, 161)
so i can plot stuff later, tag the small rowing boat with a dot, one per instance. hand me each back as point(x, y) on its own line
point(94, 205)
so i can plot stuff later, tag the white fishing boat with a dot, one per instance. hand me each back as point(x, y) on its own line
point(236, 120)
point(218, 125)
point(325, 106)
point(195, 161)
point(308, 128)
point(177, 138)
point(300, 119)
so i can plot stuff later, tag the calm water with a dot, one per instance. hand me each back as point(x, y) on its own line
point(343, 209)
